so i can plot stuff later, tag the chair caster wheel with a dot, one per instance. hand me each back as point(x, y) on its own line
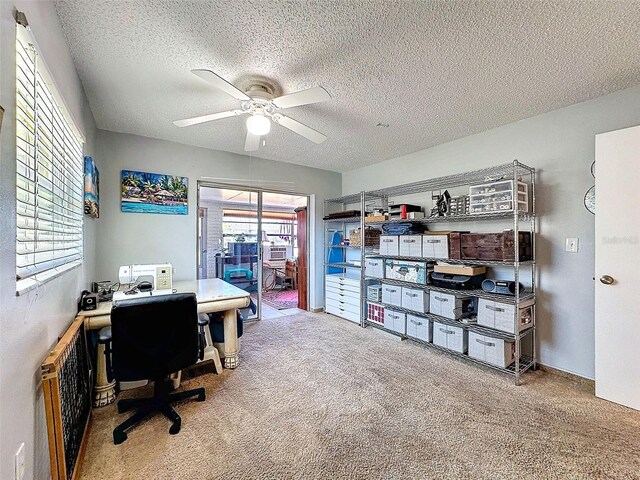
point(175, 428)
point(119, 437)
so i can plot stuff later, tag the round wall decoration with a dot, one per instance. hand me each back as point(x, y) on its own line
point(590, 200)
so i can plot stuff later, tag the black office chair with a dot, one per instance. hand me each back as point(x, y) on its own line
point(151, 338)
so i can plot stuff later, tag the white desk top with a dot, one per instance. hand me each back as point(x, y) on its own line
point(207, 290)
point(210, 289)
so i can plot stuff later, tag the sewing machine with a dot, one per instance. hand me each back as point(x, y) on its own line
point(159, 275)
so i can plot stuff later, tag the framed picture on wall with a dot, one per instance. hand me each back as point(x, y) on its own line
point(143, 192)
point(91, 188)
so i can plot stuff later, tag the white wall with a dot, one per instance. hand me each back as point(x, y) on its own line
point(30, 324)
point(125, 238)
point(560, 145)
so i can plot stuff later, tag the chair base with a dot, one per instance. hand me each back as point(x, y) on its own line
point(160, 402)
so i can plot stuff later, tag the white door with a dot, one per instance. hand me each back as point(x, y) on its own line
point(617, 327)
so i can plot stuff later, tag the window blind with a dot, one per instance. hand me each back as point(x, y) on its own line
point(49, 171)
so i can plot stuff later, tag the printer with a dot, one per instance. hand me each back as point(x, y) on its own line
point(160, 275)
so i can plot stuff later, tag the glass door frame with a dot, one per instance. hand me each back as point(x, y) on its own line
point(259, 191)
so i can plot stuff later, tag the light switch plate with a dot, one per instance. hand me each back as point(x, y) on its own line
point(571, 245)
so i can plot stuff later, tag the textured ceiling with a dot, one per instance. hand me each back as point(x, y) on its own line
point(432, 71)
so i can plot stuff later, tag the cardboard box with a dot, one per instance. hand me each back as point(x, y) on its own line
point(375, 218)
point(460, 269)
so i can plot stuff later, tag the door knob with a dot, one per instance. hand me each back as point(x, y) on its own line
point(606, 279)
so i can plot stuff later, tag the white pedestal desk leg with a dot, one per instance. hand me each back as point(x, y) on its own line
point(230, 346)
point(104, 392)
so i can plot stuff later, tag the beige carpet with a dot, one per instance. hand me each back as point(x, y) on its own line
point(317, 397)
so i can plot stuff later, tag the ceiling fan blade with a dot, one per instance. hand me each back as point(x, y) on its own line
point(221, 84)
point(252, 143)
point(300, 128)
point(303, 97)
point(187, 122)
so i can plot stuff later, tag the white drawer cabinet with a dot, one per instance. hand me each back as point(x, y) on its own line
point(418, 327)
point(348, 315)
point(342, 296)
point(410, 245)
point(415, 299)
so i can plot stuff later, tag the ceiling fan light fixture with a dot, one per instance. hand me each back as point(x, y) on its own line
point(258, 125)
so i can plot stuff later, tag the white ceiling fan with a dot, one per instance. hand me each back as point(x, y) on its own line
point(262, 108)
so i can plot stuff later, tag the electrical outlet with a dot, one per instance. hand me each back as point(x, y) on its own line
point(20, 462)
point(571, 245)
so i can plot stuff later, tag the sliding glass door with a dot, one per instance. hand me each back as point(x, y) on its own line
point(229, 240)
point(250, 238)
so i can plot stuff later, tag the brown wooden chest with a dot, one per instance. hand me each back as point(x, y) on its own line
point(495, 246)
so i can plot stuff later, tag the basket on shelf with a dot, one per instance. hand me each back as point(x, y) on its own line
point(371, 237)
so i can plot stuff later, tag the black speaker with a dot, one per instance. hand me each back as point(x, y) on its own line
point(503, 287)
point(88, 301)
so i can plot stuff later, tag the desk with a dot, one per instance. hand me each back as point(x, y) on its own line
point(213, 295)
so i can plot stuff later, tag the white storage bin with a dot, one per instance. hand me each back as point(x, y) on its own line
point(389, 245)
point(448, 305)
point(392, 295)
point(374, 267)
point(418, 327)
point(415, 299)
point(495, 351)
point(435, 246)
point(451, 337)
point(501, 315)
point(410, 245)
point(395, 320)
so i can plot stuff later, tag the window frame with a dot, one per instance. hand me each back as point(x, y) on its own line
point(72, 183)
